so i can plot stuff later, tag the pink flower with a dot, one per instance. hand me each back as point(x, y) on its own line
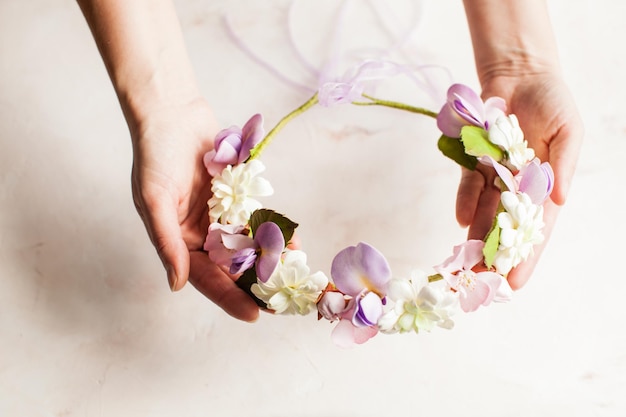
point(233, 145)
point(474, 288)
point(346, 334)
point(536, 179)
point(224, 241)
point(464, 107)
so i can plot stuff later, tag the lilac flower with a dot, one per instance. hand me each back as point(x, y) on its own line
point(233, 145)
point(358, 268)
point(362, 273)
point(464, 107)
point(231, 249)
point(474, 288)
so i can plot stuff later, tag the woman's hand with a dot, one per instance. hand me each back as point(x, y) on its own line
point(552, 127)
point(171, 188)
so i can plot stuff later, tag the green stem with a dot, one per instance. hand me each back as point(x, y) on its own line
point(435, 278)
point(394, 105)
point(256, 151)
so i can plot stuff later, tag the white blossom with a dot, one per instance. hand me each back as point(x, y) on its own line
point(291, 289)
point(418, 305)
point(234, 191)
point(521, 226)
point(507, 134)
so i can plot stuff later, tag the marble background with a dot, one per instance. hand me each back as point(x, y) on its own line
point(88, 326)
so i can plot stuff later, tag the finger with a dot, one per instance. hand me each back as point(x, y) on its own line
point(564, 151)
point(468, 194)
point(220, 288)
point(485, 211)
point(295, 242)
point(161, 219)
point(519, 276)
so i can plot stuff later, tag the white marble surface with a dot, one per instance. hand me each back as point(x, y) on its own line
point(88, 326)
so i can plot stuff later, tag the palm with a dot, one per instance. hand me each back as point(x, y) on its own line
point(553, 129)
point(171, 188)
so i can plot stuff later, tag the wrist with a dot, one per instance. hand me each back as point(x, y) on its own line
point(511, 38)
point(155, 93)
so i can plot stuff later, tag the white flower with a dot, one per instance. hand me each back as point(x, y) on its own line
point(233, 192)
point(507, 134)
point(521, 226)
point(291, 289)
point(418, 305)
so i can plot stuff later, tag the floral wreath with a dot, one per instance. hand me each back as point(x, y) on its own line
point(251, 242)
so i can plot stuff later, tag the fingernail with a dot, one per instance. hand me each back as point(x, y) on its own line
point(171, 277)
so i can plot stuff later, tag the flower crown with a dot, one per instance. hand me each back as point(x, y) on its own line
point(252, 242)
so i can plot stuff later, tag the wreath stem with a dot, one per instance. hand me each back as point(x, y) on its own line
point(256, 151)
point(395, 105)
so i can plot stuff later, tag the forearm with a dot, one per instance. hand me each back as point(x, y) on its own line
point(511, 37)
point(144, 52)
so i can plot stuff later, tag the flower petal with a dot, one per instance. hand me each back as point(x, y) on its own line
point(494, 108)
point(347, 335)
point(332, 305)
point(537, 181)
point(252, 134)
point(503, 172)
point(242, 260)
point(449, 122)
point(360, 267)
point(471, 299)
point(226, 154)
point(237, 241)
point(270, 239)
point(464, 256)
point(368, 310)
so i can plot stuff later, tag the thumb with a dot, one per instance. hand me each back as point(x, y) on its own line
point(161, 220)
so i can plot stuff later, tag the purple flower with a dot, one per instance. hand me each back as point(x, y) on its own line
point(358, 268)
point(362, 273)
point(464, 107)
point(230, 248)
point(233, 145)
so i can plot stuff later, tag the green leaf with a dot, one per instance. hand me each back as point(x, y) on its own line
point(476, 142)
point(491, 244)
point(453, 148)
point(246, 281)
point(266, 215)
